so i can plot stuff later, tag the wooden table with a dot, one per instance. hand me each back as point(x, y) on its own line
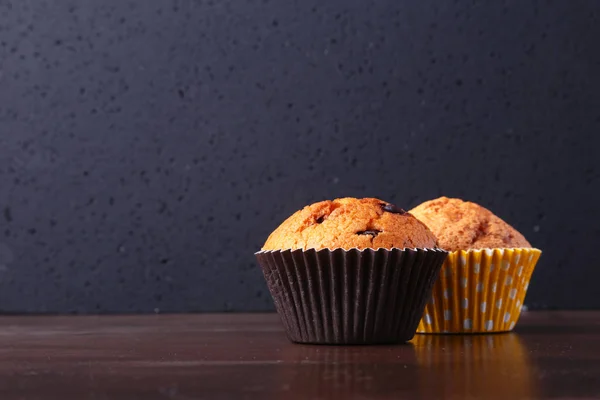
point(232, 356)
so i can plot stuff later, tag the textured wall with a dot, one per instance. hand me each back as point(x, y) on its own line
point(147, 148)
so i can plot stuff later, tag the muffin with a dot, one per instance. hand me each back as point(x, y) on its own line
point(350, 271)
point(463, 225)
point(350, 223)
point(484, 280)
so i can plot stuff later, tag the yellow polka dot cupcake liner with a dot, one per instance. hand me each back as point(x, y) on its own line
point(479, 291)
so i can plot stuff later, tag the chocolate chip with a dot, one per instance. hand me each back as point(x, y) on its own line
point(372, 233)
point(320, 219)
point(392, 208)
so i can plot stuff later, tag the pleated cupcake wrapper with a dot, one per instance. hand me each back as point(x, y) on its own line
point(479, 291)
point(350, 296)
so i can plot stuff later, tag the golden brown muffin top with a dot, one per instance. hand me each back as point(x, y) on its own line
point(350, 223)
point(463, 225)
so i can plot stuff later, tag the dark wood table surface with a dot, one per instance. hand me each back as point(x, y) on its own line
point(247, 356)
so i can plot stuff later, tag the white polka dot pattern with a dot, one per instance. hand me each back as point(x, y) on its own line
point(471, 279)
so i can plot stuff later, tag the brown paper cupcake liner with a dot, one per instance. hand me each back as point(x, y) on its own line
point(479, 291)
point(350, 296)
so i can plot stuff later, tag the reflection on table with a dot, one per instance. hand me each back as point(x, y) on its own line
point(437, 366)
point(482, 366)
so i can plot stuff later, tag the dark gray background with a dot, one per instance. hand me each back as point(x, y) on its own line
point(147, 148)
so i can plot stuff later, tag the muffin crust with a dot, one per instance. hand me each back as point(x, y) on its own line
point(463, 225)
point(350, 223)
